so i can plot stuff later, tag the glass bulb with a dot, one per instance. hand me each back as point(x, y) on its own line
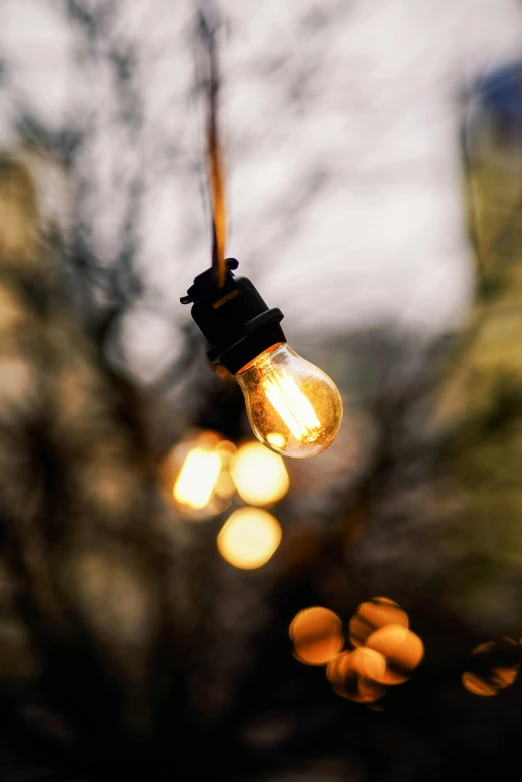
point(293, 407)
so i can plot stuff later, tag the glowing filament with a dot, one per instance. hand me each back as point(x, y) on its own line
point(292, 405)
point(197, 478)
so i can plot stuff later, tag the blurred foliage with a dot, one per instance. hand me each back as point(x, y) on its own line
point(481, 399)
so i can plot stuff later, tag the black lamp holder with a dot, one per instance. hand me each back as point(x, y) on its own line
point(234, 319)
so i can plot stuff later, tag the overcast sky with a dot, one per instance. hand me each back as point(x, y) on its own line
point(341, 129)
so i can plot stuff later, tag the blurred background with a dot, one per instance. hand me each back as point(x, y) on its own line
point(175, 599)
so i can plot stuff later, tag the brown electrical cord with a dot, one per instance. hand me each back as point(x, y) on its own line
point(215, 158)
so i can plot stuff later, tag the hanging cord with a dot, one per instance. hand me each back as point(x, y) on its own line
point(207, 35)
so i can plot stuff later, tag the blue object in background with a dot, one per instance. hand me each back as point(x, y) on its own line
point(500, 93)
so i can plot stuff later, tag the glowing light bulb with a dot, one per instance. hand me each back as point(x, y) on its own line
point(293, 407)
point(249, 538)
point(196, 475)
point(317, 635)
point(260, 476)
point(197, 478)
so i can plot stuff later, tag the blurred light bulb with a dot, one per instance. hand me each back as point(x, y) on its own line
point(293, 407)
point(196, 477)
point(490, 678)
point(249, 538)
point(357, 675)
point(372, 615)
point(260, 475)
point(317, 635)
point(402, 649)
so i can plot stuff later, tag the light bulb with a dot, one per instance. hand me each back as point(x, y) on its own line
point(196, 475)
point(260, 476)
point(293, 407)
point(249, 538)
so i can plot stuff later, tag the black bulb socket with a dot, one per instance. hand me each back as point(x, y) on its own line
point(234, 319)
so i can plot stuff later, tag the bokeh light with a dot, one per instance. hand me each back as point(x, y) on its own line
point(317, 635)
point(196, 476)
point(358, 675)
point(493, 678)
point(372, 615)
point(402, 650)
point(259, 474)
point(249, 538)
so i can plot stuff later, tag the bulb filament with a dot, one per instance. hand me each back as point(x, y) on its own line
point(292, 405)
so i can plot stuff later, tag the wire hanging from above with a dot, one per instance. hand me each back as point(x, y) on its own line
point(207, 32)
